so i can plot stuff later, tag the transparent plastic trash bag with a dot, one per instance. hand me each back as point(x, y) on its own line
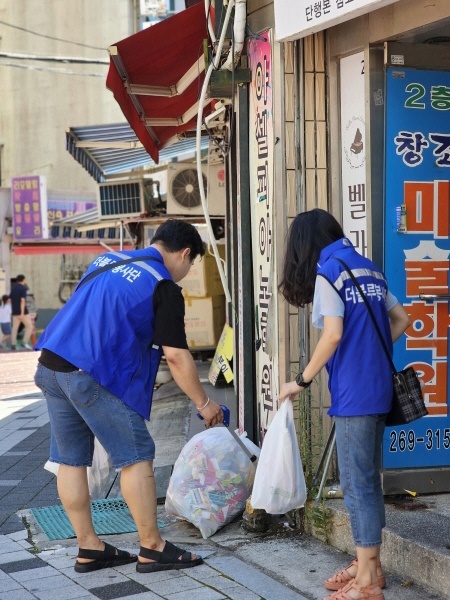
point(279, 481)
point(211, 480)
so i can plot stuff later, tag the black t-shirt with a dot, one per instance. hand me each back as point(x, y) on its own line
point(168, 306)
point(18, 292)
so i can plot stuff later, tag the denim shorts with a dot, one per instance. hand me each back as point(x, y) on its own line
point(359, 442)
point(6, 328)
point(81, 409)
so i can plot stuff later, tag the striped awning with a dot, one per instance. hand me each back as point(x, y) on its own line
point(105, 150)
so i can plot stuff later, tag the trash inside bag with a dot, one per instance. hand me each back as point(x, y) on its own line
point(211, 480)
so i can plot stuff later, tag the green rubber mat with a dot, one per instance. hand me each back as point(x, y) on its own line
point(109, 516)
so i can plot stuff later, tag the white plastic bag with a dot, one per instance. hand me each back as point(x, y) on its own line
point(211, 480)
point(279, 481)
point(97, 474)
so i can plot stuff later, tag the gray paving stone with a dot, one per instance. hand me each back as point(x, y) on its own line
point(23, 565)
point(46, 583)
point(118, 590)
point(145, 596)
point(172, 586)
point(200, 594)
point(18, 595)
point(7, 584)
point(254, 580)
point(61, 562)
point(203, 572)
point(95, 579)
point(9, 546)
point(241, 593)
point(34, 574)
point(68, 592)
point(14, 556)
point(221, 583)
point(148, 578)
point(19, 535)
point(17, 453)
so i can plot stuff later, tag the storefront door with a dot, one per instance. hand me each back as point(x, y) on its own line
point(417, 252)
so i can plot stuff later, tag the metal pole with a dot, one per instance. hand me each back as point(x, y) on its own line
point(325, 472)
point(324, 454)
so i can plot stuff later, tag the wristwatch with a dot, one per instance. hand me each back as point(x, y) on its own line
point(299, 381)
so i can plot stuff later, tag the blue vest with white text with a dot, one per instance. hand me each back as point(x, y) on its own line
point(359, 374)
point(106, 328)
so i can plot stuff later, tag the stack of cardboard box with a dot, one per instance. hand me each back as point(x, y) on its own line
point(204, 302)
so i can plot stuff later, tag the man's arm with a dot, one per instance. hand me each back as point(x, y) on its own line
point(22, 306)
point(184, 372)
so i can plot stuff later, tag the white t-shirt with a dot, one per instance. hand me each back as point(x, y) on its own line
point(328, 303)
point(5, 313)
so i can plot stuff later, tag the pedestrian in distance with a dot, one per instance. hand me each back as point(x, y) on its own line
point(359, 377)
point(20, 314)
point(5, 319)
point(99, 360)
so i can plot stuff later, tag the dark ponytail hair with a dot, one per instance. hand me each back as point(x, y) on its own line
point(309, 234)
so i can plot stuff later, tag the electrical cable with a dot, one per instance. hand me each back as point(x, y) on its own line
point(50, 70)
point(213, 65)
point(77, 60)
point(49, 37)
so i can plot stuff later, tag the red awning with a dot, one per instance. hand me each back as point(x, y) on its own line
point(156, 77)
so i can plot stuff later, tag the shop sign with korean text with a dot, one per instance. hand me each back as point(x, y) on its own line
point(295, 19)
point(417, 252)
point(261, 198)
point(29, 208)
point(353, 150)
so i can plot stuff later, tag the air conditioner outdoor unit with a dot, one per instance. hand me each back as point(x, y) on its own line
point(183, 193)
point(124, 198)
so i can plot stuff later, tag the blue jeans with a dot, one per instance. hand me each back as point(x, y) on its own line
point(358, 442)
point(79, 409)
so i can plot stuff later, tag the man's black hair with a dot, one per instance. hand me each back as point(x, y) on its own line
point(20, 278)
point(175, 235)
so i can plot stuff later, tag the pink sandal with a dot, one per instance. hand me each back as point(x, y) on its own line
point(342, 578)
point(368, 592)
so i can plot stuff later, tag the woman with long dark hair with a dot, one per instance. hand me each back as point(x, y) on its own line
point(359, 376)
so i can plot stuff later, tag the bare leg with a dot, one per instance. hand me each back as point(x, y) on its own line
point(137, 483)
point(74, 493)
point(368, 560)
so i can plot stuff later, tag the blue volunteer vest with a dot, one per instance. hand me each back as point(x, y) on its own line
point(359, 374)
point(106, 328)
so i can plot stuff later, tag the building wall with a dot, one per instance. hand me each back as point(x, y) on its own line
point(45, 273)
point(39, 100)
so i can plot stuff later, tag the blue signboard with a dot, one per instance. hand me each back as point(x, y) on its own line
point(417, 252)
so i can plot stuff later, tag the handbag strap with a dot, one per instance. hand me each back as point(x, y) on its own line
point(372, 316)
point(112, 266)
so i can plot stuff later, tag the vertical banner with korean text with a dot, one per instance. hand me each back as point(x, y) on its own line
point(353, 150)
point(29, 208)
point(417, 251)
point(261, 192)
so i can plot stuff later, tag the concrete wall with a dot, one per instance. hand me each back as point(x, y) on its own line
point(38, 105)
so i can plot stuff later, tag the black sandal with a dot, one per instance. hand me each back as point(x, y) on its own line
point(170, 558)
point(103, 559)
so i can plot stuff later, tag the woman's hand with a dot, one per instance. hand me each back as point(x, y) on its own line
point(212, 413)
point(289, 390)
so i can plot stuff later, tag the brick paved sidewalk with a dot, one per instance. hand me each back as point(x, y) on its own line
point(17, 371)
